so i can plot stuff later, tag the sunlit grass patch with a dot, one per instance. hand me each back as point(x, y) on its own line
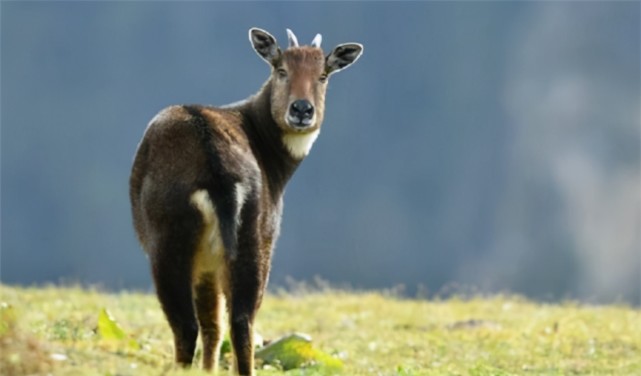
point(20, 352)
point(85, 332)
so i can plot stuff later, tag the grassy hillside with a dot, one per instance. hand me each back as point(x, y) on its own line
point(55, 330)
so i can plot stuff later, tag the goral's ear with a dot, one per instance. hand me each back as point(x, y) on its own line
point(342, 57)
point(264, 44)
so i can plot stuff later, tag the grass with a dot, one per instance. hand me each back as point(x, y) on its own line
point(53, 330)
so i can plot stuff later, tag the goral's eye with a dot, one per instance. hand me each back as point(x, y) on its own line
point(323, 78)
point(281, 73)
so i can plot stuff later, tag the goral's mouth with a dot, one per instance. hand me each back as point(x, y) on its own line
point(299, 124)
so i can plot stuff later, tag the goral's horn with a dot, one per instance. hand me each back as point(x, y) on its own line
point(293, 41)
point(317, 40)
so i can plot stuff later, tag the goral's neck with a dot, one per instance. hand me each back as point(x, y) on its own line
point(266, 140)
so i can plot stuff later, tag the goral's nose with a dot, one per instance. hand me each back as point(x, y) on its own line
point(302, 110)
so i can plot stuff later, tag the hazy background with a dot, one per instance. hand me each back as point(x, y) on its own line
point(487, 144)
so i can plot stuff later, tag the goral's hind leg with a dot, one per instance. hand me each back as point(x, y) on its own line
point(209, 305)
point(243, 307)
point(247, 280)
point(173, 286)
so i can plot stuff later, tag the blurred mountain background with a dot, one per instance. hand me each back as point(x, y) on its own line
point(487, 144)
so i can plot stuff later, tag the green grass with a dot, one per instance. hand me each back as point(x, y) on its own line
point(54, 330)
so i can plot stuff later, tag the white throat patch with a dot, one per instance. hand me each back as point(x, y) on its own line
point(299, 144)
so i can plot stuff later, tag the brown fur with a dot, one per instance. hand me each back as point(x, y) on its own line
point(206, 192)
point(304, 66)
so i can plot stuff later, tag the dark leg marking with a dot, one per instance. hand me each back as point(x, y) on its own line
point(173, 286)
point(246, 289)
